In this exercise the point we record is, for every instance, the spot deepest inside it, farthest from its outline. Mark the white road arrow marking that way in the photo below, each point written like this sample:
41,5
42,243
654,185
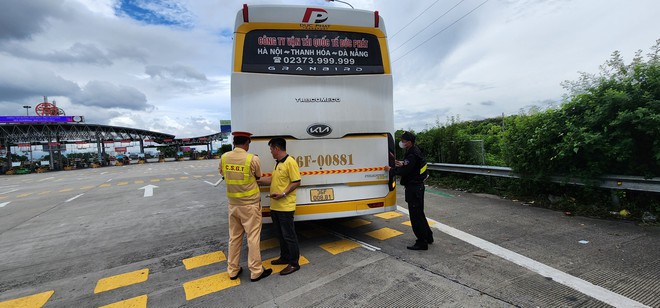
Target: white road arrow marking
149,190
3,204
216,183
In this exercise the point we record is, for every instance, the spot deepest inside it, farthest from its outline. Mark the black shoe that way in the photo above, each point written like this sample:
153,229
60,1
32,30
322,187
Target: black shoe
240,270
279,261
289,269
418,246
429,240
264,274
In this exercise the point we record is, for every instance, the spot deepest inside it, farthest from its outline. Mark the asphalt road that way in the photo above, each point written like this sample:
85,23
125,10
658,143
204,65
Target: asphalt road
156,235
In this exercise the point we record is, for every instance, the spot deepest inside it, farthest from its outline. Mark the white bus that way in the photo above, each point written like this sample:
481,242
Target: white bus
321,79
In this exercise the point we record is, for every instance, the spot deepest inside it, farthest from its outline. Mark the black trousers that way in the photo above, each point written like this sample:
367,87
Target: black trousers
415,200
286,234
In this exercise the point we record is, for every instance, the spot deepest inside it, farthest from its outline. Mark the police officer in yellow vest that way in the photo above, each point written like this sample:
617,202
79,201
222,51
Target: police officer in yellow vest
241,170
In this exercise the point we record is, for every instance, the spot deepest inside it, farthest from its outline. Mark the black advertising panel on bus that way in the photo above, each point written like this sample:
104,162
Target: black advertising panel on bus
301,52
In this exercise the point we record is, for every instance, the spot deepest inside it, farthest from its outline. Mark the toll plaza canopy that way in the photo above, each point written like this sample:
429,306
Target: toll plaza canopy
53,135
71,132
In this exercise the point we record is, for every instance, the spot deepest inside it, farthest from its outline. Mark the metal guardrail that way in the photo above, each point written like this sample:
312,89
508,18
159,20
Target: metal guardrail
608,181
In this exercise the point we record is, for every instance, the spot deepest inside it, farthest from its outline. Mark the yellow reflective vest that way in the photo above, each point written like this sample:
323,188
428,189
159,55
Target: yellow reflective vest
242,187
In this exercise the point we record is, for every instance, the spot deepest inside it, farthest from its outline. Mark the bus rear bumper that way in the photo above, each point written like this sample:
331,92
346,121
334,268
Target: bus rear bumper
340,209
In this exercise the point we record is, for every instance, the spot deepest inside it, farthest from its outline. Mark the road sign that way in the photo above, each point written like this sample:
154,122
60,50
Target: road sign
225,126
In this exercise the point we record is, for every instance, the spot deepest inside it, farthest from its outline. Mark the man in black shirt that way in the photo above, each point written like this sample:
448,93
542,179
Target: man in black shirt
412,170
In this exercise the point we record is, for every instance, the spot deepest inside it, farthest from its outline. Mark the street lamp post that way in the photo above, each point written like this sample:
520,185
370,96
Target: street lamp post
27,109
344,2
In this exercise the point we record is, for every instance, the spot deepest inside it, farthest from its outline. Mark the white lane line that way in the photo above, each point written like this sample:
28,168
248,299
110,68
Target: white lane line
108,180
52,177
73,198
4,203
570,281
10,191
212,184
364,245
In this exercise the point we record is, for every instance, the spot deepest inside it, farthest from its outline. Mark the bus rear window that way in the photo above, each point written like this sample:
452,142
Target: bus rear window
299,52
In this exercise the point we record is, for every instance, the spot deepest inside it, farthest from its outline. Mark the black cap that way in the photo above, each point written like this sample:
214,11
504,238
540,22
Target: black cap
408,136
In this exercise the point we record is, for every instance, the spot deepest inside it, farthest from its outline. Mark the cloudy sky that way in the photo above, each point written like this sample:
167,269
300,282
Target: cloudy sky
163,65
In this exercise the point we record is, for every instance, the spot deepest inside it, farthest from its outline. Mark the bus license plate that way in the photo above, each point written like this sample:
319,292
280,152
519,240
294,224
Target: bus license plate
325,194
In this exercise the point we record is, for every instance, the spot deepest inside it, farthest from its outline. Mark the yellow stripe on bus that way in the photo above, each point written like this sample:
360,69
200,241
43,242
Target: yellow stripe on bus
367,183
247,27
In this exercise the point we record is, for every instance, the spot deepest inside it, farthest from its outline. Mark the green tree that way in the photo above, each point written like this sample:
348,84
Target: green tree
608,124
618,116
168,151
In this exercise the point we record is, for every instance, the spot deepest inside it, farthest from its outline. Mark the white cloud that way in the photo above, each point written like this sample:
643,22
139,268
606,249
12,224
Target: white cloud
107,95
113,69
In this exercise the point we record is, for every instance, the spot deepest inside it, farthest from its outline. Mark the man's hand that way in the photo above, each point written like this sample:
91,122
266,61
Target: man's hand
277,196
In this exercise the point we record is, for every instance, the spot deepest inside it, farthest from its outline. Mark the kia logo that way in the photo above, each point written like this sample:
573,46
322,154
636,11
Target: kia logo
319,130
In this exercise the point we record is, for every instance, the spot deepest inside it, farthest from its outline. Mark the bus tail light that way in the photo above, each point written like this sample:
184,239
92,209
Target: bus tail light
376,19
245,13
377,204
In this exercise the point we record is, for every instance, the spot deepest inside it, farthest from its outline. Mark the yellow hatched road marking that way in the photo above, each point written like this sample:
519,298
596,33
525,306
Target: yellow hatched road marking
135,302
197,176
184,177
205,259
24,195
278,268
105,185
209,284
155,180
339,246
210,175
122,183
384,233
139,182
87,187
44,192
3,197
354,223
36,300
121,280
408,223
169,179
389,215
269,243
66,189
